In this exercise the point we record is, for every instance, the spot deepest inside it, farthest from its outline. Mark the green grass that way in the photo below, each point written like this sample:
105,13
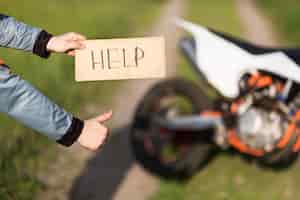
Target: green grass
230,177
285,17
22,152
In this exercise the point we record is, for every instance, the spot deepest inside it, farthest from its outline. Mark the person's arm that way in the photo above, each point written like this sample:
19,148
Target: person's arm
26,104
18,35
15,34
23,102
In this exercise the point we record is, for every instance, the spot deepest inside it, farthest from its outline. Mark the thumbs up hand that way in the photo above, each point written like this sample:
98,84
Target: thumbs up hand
94,133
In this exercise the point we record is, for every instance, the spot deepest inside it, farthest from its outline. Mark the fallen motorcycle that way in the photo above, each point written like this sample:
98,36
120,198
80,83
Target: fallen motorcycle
177,129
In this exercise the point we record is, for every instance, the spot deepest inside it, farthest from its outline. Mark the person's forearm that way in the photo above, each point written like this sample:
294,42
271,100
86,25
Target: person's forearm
15,34
23,102
26,104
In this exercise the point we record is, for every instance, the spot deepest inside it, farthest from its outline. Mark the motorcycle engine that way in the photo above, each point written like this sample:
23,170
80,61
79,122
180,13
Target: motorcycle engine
260,129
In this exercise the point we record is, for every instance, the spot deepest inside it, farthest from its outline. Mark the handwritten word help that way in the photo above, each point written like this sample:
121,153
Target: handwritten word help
122,58
115,58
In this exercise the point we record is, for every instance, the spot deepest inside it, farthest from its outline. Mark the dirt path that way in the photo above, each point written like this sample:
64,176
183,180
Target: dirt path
138,184
126,179
257,27
112,173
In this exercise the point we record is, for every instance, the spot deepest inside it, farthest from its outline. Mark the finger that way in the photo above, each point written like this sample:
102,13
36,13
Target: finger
107,134
77,36
106,139
71,45
104,117
71,53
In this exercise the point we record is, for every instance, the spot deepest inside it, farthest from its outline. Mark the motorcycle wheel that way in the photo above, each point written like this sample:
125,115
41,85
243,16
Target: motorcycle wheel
280,159
164,153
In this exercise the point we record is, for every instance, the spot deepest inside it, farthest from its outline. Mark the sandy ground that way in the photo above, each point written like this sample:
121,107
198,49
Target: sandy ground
112,173
257,28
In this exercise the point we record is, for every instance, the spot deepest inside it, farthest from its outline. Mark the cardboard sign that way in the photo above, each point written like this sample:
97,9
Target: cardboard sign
115,59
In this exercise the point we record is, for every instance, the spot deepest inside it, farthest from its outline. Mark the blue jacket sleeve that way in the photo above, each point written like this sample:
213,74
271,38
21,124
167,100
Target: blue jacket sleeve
26,104
21,100
15,34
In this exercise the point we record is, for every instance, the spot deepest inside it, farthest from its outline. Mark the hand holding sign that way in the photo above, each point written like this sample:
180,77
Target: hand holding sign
66,43
114,59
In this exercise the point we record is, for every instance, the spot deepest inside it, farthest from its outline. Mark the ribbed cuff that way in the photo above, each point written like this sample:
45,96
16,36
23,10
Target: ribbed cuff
40,45
73,133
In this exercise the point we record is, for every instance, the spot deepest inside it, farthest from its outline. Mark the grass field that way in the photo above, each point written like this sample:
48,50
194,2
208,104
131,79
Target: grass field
285,17
22,153
230,177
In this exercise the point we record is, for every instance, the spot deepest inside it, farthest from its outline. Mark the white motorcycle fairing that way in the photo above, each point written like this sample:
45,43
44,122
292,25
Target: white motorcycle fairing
223,62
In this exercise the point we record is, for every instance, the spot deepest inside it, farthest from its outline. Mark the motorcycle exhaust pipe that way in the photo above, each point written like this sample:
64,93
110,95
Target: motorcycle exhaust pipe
188,123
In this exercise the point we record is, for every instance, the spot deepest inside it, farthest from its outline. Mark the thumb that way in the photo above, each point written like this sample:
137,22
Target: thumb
104,117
